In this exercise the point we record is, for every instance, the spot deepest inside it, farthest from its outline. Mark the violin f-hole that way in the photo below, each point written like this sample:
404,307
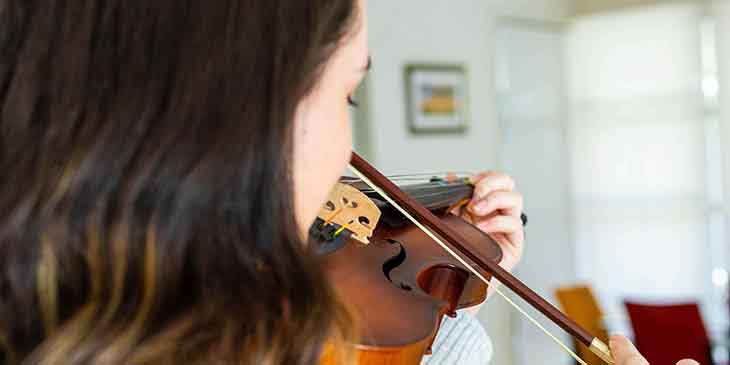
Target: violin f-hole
395,261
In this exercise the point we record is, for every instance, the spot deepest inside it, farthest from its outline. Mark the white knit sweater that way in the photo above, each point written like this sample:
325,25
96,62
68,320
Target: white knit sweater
461,340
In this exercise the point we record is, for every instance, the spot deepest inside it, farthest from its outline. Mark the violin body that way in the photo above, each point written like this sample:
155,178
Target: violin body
400,285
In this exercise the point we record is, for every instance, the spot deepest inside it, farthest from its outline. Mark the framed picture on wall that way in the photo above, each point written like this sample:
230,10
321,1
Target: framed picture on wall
436,98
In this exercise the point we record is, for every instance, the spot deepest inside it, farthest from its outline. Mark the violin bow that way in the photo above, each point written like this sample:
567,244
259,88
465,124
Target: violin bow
432,226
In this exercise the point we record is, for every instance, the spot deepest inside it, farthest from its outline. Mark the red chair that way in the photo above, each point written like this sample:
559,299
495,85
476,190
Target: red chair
665,334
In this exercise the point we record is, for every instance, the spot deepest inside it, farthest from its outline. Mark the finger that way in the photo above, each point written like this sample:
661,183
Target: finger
625,353
500,224
688,362
510,202
512,243
490,181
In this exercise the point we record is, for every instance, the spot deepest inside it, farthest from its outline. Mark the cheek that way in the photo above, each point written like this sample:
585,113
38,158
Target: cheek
336,143
322,147
327,135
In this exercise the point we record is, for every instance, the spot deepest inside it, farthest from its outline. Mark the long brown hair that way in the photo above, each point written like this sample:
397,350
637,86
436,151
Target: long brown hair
146,200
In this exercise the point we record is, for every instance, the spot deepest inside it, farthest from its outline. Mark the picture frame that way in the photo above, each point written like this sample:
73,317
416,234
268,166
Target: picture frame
436,98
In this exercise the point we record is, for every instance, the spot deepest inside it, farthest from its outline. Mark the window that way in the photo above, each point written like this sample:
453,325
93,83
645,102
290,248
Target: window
646,169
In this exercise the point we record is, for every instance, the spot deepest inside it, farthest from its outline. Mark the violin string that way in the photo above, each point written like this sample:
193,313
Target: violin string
418,196
431,185
424,185
433,174
429,195
423,192
426,176
439,189
463,262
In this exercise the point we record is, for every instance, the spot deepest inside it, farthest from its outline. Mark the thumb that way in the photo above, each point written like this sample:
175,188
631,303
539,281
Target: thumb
688,362
625,353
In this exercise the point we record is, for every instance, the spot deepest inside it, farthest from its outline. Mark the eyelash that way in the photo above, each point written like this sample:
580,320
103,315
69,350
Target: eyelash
352,102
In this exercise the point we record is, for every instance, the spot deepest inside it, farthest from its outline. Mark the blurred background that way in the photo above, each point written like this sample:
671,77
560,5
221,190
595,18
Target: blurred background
612,116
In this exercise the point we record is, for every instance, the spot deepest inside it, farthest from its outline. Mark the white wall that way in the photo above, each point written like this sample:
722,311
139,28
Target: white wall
429,31
581,7
437,31
532,116
532,9
721,12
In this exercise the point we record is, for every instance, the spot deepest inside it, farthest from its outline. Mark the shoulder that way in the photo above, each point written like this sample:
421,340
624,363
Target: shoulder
461,340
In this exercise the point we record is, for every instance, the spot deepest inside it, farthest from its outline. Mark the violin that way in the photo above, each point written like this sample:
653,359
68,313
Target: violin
402,262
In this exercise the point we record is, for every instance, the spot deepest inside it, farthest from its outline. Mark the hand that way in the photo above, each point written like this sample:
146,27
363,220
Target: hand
496,209
625,353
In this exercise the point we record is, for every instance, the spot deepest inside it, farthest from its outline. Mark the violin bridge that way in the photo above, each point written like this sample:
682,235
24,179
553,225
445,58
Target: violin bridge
348,208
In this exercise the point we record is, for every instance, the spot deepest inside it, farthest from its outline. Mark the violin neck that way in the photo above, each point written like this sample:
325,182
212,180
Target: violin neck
437,196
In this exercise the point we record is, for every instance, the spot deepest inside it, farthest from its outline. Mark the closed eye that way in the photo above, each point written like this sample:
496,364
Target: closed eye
352,102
